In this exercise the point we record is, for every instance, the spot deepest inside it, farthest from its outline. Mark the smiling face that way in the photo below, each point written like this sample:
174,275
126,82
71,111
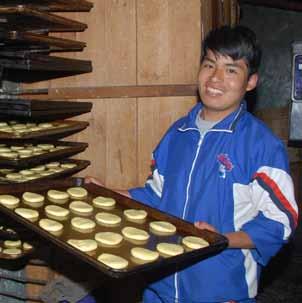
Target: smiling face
223,83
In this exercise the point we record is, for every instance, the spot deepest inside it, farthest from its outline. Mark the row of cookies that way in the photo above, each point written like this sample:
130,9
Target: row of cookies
28,150
55,217
36,172
12,247
18,128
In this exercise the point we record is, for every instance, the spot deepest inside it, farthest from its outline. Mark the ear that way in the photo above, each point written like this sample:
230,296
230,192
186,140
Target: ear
252,82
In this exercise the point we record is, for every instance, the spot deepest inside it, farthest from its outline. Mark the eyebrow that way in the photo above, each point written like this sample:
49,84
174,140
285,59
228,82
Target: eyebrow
235,65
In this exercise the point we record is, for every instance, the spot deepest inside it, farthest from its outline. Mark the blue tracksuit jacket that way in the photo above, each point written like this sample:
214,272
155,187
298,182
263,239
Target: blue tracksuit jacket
235,178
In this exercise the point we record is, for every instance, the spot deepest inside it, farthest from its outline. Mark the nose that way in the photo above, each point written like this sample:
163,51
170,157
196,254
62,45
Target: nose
217,75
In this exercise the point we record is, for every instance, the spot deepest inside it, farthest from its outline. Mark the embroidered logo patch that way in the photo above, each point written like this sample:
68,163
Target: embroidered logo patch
225,165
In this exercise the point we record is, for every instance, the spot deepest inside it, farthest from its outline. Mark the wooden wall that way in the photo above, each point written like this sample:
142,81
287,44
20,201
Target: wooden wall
145,56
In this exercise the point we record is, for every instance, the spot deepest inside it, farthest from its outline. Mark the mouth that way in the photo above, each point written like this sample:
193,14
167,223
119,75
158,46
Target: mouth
213,91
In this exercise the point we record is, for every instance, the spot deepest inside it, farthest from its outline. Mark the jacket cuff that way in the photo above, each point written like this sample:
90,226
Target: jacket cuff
267,236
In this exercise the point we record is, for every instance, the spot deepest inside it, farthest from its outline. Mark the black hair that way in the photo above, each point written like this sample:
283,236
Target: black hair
238,42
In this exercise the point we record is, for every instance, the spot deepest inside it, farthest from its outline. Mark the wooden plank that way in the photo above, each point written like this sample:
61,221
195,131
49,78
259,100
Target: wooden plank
206,17
121,150
96,135
168,41
154,118
111,45
112,139
235,12
114,92
37,272
184,41
227,10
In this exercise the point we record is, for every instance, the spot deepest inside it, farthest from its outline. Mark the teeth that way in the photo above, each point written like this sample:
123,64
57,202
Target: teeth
214,91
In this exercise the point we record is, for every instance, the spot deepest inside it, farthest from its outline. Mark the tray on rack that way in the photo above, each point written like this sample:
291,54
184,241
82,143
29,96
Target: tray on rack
33,132
161,266
18,41
53,5
47,171
27,155
41,110
12,246
24,18
38,67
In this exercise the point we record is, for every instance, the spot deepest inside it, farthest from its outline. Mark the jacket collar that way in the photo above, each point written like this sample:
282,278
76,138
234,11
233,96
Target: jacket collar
227,124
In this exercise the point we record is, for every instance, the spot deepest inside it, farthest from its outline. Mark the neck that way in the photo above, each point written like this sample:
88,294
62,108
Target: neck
210,115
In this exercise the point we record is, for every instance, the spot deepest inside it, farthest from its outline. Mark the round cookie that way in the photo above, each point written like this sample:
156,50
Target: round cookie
83,225
113,261
45,146
68,165
103,202
108,238
57,196
84,245
27,246
45,125
46,173
33,199
25,152
136,215
144,254
38,168
52,164
81,208
77,192
9,201
57,212
9,155
14,176
26,172
57,170
16,147
107,219
4,149
13,252
162,228
135,234
12,244
193,242
52,226
169,249
28,214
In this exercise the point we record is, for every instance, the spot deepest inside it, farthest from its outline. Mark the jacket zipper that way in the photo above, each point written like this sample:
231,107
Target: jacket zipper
185,208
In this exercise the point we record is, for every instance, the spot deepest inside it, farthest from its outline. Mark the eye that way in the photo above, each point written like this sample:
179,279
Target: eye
231,70
207,65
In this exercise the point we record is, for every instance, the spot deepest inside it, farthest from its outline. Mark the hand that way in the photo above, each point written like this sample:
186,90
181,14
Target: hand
204,225
90,179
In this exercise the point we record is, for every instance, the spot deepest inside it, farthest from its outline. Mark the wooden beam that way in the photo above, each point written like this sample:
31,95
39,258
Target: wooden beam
113,92
293,5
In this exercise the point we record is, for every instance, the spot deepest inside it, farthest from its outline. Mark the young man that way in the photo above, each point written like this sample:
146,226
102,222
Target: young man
222,169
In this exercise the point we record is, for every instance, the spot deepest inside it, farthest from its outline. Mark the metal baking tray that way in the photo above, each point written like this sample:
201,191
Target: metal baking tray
23,252
14,233
80,165
67,128
32,42
41,110
71,148
53,5
161,266
38,67
24,18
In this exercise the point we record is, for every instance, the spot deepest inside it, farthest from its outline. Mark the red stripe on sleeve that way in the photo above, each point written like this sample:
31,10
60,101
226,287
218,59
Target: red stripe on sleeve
272,184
